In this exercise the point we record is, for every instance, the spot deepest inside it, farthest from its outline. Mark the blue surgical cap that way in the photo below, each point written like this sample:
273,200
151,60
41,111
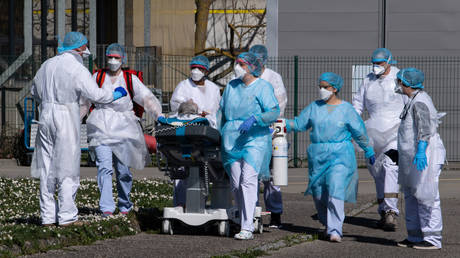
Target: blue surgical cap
72,40
382,55
260,51
116,50
200,61
411,77
254,65
333,79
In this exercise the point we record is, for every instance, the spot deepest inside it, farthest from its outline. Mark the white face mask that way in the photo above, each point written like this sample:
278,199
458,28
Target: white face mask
86,53
378,69
196,74
239,71
114,64
398,89
325,94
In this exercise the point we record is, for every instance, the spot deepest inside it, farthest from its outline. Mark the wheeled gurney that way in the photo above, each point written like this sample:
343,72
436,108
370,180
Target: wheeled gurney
191,150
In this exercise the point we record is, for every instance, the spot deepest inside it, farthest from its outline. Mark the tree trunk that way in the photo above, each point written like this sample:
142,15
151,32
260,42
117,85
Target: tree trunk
201,23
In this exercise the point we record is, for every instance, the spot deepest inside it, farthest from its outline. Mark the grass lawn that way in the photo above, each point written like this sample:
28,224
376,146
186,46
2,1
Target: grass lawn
21,232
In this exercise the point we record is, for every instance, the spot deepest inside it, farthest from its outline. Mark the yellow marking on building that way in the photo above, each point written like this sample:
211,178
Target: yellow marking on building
212,11
222,11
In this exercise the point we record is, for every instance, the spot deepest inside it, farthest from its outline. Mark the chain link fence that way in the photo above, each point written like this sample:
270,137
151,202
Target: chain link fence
300,75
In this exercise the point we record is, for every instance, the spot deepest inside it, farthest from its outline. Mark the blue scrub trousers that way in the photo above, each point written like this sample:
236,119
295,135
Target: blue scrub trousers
104,159
330,213
272,197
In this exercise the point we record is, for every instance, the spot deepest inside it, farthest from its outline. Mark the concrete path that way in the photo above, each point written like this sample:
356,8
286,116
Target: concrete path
361,238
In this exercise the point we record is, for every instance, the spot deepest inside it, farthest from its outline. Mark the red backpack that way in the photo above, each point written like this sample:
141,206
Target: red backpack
128,75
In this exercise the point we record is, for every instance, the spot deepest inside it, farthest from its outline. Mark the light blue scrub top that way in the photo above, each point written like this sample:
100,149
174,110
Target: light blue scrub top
331,156
238,103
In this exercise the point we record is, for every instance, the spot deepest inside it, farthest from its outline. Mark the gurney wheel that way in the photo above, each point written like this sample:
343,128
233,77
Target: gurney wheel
258,225
167,227
224,228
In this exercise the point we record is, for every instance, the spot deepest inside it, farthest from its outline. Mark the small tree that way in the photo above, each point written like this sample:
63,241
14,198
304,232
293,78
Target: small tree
241,24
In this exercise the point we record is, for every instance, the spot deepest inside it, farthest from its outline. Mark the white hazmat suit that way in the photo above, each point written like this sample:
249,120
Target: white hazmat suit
276,81
115,124
420,120
207,97
377,96
58,86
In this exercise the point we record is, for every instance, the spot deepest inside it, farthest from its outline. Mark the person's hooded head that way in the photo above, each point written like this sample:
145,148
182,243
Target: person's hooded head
329,84
116,56
382,60
247,63
199,68
260,51
75,41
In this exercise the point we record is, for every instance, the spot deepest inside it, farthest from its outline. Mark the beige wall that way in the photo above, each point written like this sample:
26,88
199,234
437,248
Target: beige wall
172,25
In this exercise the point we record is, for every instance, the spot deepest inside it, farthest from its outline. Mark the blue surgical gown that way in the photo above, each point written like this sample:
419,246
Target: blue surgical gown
331,157
238,103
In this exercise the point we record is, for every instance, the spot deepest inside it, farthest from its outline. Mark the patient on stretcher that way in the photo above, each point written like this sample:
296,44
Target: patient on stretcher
187,112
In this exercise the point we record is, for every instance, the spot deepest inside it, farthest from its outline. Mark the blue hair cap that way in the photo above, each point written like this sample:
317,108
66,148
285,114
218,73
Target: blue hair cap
411,77
72,40
382,55
333,79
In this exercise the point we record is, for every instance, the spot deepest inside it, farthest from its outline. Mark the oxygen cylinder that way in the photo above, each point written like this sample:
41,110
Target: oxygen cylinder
280,154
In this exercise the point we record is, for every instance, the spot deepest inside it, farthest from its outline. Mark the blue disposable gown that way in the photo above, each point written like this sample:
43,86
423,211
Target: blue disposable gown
331,157
238,103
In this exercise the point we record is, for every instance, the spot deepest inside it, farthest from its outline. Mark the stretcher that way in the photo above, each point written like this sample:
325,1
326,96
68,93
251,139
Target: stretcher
190,150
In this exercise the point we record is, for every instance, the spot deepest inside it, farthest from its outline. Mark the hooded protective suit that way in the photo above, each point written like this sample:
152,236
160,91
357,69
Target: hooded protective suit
207,97
115,124
421,193
420,122
58,86
377,96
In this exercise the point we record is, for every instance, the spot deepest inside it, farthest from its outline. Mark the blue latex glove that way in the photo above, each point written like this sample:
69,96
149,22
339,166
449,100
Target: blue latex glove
119,93
162,119
420,157
372,159
247,124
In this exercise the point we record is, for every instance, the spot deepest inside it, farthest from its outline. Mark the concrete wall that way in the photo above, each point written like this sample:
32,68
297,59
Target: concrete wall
327,27
172,25
424,27
355,27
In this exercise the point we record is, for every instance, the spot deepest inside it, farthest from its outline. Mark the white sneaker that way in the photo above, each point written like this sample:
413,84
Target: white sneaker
335,238
244,235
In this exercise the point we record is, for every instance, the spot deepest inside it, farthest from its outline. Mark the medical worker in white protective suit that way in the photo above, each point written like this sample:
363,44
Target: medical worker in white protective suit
377,96
206,95
421,157
332,169
115,134
198,89
247,109
58,86
272,193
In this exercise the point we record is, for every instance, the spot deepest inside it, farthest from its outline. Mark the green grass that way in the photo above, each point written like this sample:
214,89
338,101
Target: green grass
21,232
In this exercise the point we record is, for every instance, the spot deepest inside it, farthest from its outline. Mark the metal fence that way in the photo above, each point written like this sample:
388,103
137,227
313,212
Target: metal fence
299,74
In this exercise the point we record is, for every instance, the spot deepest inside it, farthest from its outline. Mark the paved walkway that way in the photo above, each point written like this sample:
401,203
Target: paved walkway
361,238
